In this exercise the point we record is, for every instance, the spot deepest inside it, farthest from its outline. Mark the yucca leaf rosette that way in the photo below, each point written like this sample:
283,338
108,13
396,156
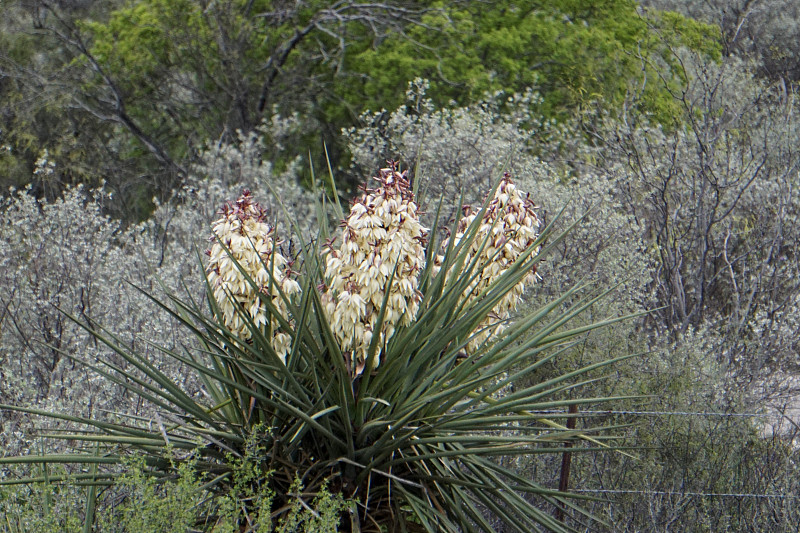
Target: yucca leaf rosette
382,250
376,402
244,246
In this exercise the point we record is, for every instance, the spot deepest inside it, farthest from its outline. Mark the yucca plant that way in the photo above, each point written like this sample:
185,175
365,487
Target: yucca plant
379,368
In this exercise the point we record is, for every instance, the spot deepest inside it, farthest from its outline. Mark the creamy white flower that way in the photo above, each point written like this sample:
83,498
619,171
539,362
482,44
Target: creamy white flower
244,232
381,235
511,219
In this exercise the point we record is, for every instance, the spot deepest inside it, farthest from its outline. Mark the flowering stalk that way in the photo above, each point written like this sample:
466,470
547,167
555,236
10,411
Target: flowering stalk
242,234
512,226
382,249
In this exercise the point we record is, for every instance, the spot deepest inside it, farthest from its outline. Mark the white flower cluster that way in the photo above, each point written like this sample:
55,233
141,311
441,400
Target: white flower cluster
382,233
512,226
44,166
243,231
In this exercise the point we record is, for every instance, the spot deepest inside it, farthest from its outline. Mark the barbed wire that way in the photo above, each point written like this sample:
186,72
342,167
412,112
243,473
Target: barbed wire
661,413
702,494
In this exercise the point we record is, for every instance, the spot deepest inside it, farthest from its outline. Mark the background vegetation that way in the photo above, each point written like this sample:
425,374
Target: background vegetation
125,125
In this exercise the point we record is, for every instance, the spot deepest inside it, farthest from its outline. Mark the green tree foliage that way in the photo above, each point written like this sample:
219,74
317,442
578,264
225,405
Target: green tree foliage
181,67
36,112
139,84
124,91
574,52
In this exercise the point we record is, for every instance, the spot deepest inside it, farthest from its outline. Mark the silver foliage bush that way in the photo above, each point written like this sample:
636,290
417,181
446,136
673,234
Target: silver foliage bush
765,30
69,257
223,172
719,204
699,224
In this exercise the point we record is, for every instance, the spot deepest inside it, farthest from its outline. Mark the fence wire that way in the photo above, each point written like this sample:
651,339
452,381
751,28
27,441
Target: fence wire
661,413
701,494
776,415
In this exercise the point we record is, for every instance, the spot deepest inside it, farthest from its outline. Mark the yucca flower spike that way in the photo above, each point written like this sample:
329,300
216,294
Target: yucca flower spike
382,235
243,234
512,225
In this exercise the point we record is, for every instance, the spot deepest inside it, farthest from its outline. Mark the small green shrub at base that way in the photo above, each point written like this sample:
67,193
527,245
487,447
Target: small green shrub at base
141,502
41,507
